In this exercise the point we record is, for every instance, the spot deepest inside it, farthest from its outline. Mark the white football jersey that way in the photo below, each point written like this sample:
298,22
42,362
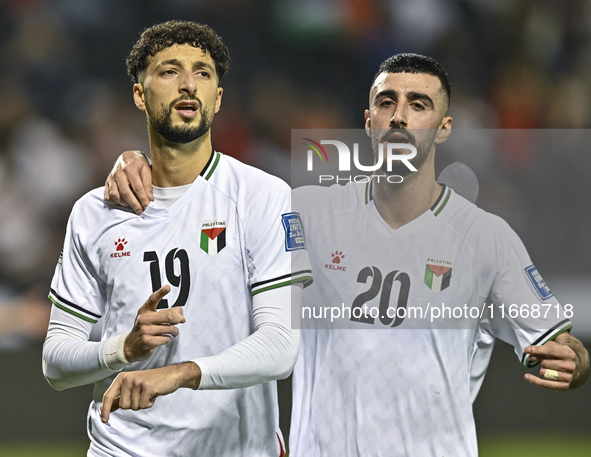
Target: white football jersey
230,236
394,378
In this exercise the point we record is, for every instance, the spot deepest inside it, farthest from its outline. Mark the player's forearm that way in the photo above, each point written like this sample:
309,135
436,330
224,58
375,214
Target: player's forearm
189,375
581,372
70,363
69,359
267,355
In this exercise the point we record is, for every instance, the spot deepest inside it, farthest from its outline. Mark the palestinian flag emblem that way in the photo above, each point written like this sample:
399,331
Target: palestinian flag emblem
438,274
213,237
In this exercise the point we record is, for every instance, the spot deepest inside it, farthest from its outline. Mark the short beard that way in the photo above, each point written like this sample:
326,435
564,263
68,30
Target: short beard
161,120
399,168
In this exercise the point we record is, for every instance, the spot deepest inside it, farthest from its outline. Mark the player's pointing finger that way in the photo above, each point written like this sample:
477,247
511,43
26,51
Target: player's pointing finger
111,394
539,352
550,350
152,302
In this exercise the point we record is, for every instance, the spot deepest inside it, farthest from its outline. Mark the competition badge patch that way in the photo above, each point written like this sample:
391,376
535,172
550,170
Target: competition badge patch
294,232
539,284
438,274
213,237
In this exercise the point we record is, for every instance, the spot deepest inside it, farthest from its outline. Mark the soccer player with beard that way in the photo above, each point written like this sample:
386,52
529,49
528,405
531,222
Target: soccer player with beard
223,235
388,384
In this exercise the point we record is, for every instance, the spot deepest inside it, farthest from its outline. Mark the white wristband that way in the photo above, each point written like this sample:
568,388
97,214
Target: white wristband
114,353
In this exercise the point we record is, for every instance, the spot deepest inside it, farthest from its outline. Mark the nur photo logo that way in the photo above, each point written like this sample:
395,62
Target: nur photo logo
315,151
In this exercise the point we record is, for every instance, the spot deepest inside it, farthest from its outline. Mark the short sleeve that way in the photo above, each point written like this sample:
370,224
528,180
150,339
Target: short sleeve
526,312
275,241
75,288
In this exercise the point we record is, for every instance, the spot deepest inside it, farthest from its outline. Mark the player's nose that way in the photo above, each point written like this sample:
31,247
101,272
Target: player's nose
187,83
398,119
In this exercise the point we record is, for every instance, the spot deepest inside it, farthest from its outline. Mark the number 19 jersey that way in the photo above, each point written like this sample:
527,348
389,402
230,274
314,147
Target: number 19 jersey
226,239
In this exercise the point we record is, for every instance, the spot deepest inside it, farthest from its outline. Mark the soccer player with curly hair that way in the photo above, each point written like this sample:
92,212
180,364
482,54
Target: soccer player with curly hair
192,370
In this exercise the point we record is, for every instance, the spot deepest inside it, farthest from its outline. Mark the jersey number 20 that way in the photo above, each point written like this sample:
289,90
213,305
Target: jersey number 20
372,292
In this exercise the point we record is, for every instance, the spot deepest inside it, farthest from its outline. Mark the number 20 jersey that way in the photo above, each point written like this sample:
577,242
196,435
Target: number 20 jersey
388,383
230,236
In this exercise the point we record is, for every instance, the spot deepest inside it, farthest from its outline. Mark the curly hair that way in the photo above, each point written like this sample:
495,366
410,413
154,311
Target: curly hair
162,36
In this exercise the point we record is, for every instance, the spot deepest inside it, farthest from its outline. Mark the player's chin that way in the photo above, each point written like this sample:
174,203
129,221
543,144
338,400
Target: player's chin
187,118
400,172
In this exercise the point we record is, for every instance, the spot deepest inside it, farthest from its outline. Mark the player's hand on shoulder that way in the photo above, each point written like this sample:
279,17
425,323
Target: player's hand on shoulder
564,363
152,328
130,182
139,389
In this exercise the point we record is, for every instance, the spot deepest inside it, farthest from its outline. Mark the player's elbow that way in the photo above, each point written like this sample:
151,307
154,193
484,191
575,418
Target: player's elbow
289,355
56,384
53,378
51,372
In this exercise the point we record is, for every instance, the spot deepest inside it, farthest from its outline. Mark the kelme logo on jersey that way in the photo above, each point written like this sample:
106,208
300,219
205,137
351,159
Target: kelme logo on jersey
213,237
335,263
539,284
120,246
294,232
438,274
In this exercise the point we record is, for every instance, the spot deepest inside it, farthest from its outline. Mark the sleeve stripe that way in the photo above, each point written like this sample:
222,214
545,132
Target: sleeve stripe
548,336
278,278
304,276
69,311
550,331
72,308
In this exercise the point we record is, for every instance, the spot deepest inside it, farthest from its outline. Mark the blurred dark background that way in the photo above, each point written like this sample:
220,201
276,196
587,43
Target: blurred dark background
66,113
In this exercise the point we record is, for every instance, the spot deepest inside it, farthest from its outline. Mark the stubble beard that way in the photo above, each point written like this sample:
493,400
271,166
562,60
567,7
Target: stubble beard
161,120
398,167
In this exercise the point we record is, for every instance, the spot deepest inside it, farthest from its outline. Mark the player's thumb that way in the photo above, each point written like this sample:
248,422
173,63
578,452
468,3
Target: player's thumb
152,302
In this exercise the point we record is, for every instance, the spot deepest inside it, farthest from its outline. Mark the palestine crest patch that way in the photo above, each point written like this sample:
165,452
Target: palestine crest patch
438,274
213,237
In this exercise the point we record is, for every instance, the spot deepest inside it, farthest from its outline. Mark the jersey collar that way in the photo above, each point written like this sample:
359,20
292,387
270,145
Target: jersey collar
441,200
437,206
211,165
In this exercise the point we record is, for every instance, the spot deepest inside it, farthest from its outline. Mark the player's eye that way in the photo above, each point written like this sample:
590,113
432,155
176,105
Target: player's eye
203,74
418,106
386,103
168,72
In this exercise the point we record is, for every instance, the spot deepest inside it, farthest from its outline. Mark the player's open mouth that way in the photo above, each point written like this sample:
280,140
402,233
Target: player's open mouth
187,108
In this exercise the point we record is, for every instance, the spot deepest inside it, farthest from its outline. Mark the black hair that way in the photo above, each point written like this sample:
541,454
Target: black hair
162,36
415,63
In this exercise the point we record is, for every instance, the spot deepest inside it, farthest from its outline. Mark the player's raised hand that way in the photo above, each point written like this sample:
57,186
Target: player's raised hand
152,328
558,365
138,389
130,182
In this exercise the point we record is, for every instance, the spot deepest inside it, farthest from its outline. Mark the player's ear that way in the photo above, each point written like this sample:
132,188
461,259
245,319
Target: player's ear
444,130
218,99
367,123
139,97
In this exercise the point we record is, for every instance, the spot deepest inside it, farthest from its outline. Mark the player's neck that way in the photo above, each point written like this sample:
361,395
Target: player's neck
178,164
399,204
